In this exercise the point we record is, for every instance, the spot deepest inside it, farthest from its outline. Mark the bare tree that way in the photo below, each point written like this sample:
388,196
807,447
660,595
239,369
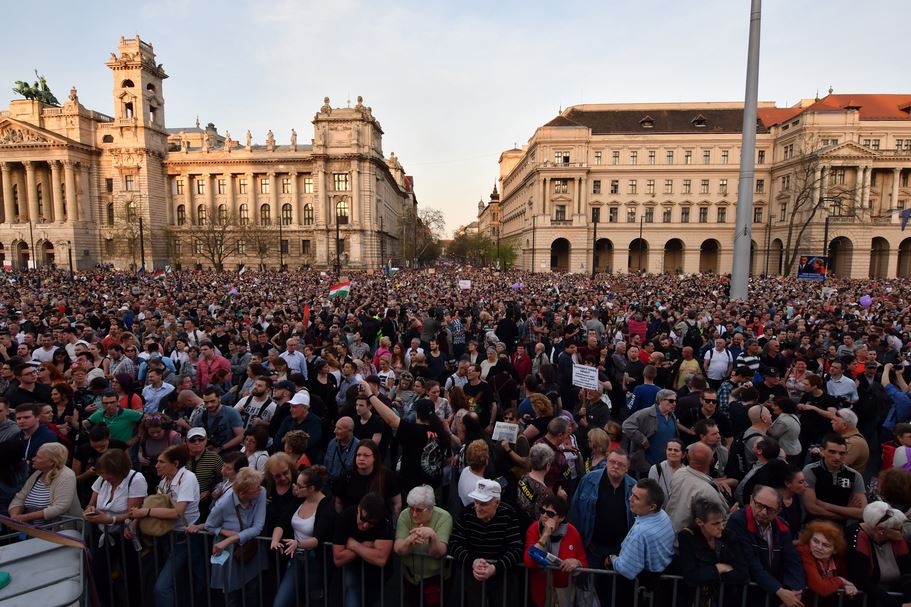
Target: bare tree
809,192
218,236
259,240
128,231
422,233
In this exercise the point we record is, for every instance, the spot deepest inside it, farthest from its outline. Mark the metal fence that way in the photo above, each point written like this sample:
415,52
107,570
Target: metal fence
176,570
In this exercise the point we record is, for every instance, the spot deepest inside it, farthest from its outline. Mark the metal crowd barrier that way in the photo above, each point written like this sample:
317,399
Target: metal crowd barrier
124,575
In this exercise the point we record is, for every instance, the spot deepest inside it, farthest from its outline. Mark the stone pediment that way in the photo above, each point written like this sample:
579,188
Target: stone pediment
848,149
16,133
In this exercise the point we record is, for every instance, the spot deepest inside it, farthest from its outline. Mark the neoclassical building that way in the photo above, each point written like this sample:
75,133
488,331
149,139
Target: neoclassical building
653,187
80,187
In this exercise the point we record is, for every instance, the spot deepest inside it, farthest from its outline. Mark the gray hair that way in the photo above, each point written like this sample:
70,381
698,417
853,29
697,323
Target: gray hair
558,425
663,394
540,456
421,497
847,416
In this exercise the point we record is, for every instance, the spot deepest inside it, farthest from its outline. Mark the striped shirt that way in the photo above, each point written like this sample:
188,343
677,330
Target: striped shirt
498,540
648,546
38,498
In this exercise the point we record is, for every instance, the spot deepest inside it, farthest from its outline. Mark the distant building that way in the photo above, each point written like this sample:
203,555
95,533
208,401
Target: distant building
78,182
669,172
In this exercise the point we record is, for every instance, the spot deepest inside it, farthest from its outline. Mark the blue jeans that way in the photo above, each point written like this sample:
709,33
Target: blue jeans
173,575
352,575
301,579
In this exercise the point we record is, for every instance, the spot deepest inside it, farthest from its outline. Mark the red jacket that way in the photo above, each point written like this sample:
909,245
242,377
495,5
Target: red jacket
522,367
570,548
821,586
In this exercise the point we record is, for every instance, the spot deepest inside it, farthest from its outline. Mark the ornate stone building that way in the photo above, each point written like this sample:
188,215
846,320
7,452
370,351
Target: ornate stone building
80,187
653,187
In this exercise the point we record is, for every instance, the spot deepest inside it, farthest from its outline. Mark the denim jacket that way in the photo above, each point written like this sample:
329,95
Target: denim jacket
585,502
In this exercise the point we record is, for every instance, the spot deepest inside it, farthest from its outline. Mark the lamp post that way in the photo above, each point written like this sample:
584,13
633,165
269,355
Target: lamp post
533,218
835,204
142,246
339,219
497,228
69,254
596,215
33,257
641,242
281,242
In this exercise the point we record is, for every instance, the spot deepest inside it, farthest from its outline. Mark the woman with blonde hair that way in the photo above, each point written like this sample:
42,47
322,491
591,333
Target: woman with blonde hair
50,492
384,349
544,412
599,443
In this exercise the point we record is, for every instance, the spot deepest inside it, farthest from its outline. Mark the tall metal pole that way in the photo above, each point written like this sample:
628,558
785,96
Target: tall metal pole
825,237
338,257
641,242
31,234
142,246
281,242
533,217
740,272
69,254
596,215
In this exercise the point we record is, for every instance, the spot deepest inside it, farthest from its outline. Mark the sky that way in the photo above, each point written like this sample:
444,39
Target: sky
453,84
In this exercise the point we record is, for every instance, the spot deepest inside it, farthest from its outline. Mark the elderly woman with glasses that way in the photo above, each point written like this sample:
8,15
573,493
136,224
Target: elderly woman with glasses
552,534
421,540
878,559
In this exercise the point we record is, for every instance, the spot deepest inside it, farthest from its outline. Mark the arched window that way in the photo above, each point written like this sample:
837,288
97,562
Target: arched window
222,215
150,87
107,139
265,215
244,215
110,213
181,214
286,214
341,212
202,214
308,215
132,215
126,84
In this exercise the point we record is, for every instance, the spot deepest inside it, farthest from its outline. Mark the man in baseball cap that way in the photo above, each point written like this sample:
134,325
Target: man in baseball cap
301,419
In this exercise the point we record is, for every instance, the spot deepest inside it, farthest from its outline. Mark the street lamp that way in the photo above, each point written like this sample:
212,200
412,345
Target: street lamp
596,215
339,219
835,204
641,242
69,254
281,240
533,218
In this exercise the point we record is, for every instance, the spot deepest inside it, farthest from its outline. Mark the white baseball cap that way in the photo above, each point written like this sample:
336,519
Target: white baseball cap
300,398
486,490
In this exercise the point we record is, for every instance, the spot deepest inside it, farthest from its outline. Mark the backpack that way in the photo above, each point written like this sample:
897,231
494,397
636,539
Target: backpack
432,459
737,466
693,337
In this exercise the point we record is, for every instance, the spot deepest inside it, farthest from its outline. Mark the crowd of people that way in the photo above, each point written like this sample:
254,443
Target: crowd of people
441,423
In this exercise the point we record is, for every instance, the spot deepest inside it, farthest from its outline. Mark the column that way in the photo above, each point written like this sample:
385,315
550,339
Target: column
69,186
355,194
251,199
868,177
581,186
273,198
323,198
896,179
188,198
543,209
691,259
9,209
892,263
55,192
32,190
296,205
858,187
210,197
817,184
87,198
229,190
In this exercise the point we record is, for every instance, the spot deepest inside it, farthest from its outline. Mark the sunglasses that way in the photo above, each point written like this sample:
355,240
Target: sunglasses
549,513
196,439
710,400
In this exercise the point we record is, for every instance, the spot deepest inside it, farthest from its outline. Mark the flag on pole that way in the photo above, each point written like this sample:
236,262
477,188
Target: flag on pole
159,275
241,271
906,214
341,289
306,315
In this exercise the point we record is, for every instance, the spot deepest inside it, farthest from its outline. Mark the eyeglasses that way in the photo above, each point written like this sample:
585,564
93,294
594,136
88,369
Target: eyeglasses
196,439
757,505
670,400
549,513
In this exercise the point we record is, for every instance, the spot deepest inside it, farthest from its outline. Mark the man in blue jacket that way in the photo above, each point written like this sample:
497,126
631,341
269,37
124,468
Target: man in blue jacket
769,548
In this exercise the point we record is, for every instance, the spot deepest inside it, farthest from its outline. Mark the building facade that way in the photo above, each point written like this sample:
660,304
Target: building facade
653,187
80,187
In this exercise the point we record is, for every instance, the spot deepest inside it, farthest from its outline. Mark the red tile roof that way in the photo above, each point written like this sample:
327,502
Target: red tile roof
872,107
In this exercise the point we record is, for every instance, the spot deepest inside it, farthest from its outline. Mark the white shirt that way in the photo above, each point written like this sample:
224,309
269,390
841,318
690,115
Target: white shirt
468,482
184,487
716,363
43,356
134,485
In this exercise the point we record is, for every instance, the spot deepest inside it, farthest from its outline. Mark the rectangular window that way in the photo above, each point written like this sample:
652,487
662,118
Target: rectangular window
634,157
784,211
668,186
649,215
875,144
706,156
305,247
614,186
200,186
898,144
242,185
615,156
286,185
757,215
285,246
561,158
560,212
241,247
688,157
108,185
684,215
703,215
341,183
722,215
178,183
761,159
631,216
704,186
839,176
596,215
724,156
597,158
632,186
785,183
222,184
197,247
649,186
561,186
596,186
666,216
670,157
687,186
789,151
264,185
903,180
723,186
651,156
866,143
612,214
128,183
760,186
308,185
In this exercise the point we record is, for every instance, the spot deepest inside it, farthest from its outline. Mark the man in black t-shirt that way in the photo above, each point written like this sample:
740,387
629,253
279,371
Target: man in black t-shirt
87,454
480,397
362,542
835,491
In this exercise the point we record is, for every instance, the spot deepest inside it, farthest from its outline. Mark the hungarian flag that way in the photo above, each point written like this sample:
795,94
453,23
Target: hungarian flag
341,289
159,275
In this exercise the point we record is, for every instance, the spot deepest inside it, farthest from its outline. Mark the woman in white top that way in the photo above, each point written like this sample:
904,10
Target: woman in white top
312,524
386,375
663,472
182,487
50,492
115,492
256,441
489,363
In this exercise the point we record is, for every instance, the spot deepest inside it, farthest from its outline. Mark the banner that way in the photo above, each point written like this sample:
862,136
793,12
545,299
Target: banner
585,377
464,284
812,267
